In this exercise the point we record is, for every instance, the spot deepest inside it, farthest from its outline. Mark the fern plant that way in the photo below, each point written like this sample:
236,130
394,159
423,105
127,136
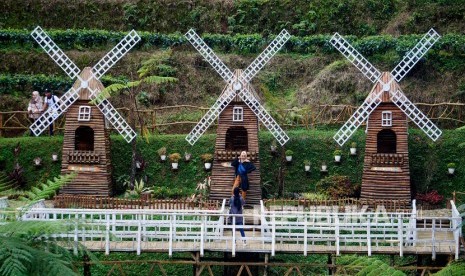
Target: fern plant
23,251
355,265
6,184
48,189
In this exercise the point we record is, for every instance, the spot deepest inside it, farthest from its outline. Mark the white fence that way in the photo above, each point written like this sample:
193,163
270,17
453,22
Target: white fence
297,232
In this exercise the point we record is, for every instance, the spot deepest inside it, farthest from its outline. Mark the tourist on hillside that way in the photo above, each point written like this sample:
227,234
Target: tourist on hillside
236,202
51,102
34,108
242,166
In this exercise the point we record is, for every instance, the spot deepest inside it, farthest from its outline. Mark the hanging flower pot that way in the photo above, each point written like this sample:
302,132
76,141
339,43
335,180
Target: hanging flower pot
307,165
337,156
163,157
174,158
162,153
207,159
451,168
187,156
208,166
353,148
37,162
289,154
324,167
54,157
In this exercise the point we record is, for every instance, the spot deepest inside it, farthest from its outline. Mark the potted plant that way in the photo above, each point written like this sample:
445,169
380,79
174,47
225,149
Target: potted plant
37,162
451,167
207,159
324,167
174,158
273,147
162,153
54,157
337,155
307,165
289,154
187,156
353,148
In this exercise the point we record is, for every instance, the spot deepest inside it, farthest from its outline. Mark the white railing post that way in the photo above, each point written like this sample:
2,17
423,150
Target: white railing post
305,235
76,234
233,252
202,231
456,222
273,235
107,235
113,218
139,234
336,233
433,239
400,232
369,236
170,243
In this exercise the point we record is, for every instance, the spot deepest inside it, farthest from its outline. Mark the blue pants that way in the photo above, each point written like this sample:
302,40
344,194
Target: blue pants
241,229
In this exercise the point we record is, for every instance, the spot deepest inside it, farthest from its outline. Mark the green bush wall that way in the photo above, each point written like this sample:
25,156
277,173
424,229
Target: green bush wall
428,160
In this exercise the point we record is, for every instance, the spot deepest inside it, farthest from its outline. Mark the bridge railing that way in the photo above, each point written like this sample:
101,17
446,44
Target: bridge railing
277,231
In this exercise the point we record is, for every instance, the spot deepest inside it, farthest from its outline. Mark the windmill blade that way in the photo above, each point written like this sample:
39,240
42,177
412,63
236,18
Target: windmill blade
355,57
415,114
264,116
208,54
265,56
124,46
359,116
112,115
50,115
55,52
211,115
414,55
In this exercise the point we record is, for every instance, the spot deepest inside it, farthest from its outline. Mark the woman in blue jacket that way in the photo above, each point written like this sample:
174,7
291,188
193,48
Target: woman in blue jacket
243,166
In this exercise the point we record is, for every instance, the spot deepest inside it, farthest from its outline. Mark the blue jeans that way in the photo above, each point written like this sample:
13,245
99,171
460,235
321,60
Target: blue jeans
241,229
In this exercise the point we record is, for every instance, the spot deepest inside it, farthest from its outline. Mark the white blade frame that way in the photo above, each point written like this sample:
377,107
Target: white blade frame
415,115
50,115
57,55
211,115
260,61
115,54
264,116
355,58
360,115
414,55
208,54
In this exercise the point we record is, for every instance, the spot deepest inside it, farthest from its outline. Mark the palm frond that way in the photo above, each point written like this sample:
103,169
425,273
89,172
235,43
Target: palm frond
49,189
158,80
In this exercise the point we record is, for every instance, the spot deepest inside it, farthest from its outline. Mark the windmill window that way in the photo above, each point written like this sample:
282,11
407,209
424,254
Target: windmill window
84,113
84,138
238,114
386,118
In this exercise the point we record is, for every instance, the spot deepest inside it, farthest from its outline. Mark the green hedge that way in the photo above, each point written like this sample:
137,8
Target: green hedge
427,160
239,43
243,16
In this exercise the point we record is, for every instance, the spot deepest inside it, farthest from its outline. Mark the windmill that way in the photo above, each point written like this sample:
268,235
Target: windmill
86,147
237,110
385,110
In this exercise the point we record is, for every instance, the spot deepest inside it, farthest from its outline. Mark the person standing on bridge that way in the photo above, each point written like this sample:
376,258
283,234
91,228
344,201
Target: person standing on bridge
236,203
242,166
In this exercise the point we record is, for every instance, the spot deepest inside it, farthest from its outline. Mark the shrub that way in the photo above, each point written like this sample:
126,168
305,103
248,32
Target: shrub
289,152
337,186
432,197
161,151
174,157
337,152
451,165
207,157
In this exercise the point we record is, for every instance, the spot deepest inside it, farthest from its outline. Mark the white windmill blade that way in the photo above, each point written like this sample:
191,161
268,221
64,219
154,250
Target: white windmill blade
265,56
359,116
124,46
264,116
415,114
355,57
414,55
113,116
211,115
208,54
50,115
55,52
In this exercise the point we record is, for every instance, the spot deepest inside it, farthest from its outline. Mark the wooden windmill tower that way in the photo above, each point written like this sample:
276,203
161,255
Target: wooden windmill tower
386,172
86,144
237,110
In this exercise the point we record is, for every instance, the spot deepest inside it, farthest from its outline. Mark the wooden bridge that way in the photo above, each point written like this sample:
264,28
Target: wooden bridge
321,230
